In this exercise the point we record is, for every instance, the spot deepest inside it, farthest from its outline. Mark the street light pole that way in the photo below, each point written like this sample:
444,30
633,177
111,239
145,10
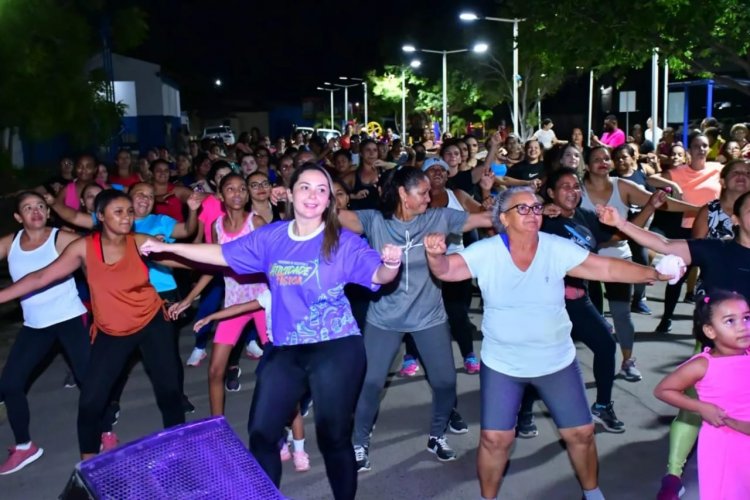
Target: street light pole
470,16
330,91
346,96
478,48
364,84
403,105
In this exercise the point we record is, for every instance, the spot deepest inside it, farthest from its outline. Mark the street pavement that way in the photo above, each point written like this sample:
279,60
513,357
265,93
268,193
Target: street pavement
631,464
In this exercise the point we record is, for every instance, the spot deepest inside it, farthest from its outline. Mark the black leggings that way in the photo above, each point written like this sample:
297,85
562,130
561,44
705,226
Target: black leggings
333,371
109,355
30,348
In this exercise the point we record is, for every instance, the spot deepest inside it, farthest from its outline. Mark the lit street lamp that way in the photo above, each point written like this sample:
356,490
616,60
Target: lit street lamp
331,91
346,96
478,48
469,17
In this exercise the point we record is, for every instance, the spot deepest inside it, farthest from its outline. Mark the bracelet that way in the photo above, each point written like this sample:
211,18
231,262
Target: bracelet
392,266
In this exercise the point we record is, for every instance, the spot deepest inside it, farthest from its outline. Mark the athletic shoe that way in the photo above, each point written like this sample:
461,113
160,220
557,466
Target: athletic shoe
301,461
253,350
409,367
456,424
285,455
605,415
664,326
70,381
640,307
362,456
18,459
196,357
232,381
629,372
671,488
109,441
689,298
471,365
439,446
526,427
187,406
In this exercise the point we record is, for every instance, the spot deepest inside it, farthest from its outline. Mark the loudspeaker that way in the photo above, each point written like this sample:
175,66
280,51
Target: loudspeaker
199,460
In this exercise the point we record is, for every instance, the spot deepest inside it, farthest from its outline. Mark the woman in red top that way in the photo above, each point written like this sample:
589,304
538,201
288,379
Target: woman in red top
169,198
123,173
128,315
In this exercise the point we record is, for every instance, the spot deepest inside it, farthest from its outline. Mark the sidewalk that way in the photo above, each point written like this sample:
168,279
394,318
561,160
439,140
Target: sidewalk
631,464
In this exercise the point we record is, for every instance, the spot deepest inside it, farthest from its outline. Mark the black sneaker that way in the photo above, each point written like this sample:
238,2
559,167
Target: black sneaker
664,326
187,406
439,446
526,427
605,415
362,456
232,381
456,423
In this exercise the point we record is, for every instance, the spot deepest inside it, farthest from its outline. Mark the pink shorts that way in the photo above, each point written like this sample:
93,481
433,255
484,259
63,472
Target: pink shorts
229,330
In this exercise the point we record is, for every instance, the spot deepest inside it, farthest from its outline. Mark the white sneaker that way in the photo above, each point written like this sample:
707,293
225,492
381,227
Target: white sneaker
253,350
196,357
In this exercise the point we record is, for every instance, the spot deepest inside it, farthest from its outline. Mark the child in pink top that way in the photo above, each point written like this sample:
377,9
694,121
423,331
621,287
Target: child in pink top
720,375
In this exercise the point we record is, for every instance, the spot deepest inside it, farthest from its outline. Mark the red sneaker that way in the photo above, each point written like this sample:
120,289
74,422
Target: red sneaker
18,459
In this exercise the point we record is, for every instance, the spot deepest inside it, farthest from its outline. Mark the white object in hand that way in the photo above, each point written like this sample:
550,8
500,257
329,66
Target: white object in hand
672,265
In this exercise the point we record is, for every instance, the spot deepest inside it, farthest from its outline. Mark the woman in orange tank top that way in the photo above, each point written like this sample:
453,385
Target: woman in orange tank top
128,315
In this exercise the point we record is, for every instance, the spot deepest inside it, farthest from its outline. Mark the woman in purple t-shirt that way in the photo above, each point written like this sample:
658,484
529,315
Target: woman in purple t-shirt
316,342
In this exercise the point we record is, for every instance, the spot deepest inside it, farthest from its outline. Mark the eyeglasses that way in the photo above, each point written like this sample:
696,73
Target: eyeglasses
524,209
256,185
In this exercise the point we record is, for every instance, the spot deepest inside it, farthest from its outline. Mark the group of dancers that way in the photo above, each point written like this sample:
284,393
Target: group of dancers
332,292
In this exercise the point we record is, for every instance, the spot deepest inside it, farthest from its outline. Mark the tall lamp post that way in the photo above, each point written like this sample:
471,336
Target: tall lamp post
414,64
470,16
330,91
478,48
364,86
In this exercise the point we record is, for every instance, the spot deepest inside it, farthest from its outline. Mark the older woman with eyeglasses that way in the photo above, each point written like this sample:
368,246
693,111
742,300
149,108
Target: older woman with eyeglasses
527,330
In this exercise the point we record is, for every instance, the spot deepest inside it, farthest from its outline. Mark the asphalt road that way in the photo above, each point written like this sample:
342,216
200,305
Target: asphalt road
631,464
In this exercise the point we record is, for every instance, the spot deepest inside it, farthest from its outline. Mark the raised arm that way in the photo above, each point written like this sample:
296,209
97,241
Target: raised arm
636,195
68,214
388,269
597,268
610,216
187,229
445,267
62,267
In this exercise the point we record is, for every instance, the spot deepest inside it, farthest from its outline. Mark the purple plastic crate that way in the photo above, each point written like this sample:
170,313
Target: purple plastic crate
200,460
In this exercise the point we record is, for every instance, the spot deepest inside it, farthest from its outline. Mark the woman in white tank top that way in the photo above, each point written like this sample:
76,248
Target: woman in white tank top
599,188
53,314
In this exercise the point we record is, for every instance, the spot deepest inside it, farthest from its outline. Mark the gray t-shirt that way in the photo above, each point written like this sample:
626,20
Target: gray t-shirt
413,301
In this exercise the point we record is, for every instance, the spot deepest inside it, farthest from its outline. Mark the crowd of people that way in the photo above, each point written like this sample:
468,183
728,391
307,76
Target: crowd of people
321,258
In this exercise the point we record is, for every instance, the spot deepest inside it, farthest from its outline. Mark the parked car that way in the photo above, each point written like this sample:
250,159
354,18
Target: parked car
222,132
326,133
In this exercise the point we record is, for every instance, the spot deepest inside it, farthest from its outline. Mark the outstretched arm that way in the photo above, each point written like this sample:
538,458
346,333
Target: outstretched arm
597,268
610,216
445,267
62,267
69,215
203,253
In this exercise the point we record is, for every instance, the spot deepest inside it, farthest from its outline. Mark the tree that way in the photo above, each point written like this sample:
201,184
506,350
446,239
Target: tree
386,91
706,39
44,47
463,92
484,115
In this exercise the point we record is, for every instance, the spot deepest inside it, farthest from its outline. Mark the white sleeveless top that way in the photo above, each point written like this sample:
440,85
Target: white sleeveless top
455,241
621,249
56,303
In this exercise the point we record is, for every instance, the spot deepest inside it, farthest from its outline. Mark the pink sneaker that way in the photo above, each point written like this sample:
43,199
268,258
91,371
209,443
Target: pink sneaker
471,365
18,459
301,461
285,455
409,367
109,441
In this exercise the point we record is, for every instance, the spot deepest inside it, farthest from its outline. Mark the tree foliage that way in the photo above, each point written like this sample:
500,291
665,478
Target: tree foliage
706,39
44,47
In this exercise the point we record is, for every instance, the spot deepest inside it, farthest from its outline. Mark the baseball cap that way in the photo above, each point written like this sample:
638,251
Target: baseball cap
431,162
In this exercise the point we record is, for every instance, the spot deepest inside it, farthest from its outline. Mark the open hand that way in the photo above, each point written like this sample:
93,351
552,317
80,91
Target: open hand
195,200
434,244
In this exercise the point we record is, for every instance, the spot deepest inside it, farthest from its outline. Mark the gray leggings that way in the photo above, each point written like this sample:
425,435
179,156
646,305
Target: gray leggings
436,353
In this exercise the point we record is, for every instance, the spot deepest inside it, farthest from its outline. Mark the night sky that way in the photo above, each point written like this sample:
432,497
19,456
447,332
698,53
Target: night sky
280,50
